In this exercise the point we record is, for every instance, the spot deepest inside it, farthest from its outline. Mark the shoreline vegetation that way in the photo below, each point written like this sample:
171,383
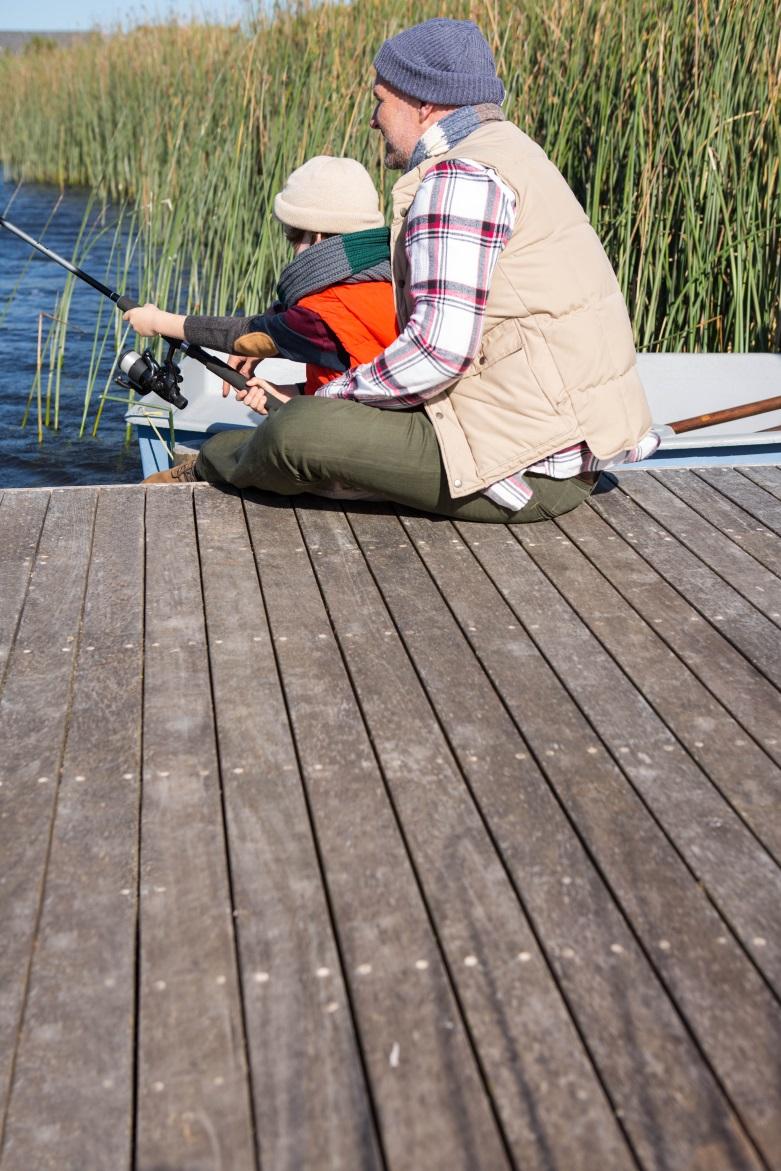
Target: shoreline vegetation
663,115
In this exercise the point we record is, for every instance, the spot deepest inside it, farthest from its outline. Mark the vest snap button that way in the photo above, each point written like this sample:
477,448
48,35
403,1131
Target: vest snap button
437,414
456,483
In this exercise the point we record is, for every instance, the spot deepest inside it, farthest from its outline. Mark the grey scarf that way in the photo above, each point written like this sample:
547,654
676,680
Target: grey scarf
339,260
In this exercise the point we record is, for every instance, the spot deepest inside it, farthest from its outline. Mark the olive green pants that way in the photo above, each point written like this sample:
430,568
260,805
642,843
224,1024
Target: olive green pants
311,444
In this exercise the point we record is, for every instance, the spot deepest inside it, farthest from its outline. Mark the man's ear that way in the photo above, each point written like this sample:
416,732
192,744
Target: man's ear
425,110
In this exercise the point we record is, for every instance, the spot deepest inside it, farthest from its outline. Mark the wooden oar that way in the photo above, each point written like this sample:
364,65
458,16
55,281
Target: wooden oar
728,415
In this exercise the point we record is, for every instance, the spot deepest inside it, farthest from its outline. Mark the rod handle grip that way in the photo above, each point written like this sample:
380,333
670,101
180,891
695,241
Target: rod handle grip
124,303
228,374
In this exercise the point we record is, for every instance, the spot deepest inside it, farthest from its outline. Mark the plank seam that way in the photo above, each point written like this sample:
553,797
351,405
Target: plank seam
747,471
136,1067
722,913
666,641
710,568
744,508
689,669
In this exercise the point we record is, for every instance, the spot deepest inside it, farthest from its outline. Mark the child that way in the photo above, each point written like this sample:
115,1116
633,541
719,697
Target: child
335,305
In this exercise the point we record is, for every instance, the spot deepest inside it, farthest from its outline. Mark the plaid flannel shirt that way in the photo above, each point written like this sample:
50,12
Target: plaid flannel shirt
460,220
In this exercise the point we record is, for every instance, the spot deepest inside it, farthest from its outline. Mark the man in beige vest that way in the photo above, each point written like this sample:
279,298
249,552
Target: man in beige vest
513,380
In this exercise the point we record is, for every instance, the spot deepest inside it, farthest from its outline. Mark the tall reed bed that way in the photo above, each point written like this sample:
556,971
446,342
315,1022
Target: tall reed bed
664,116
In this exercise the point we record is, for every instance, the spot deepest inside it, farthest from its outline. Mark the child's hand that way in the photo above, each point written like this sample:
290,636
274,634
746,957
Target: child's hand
144,319
256,394
245,366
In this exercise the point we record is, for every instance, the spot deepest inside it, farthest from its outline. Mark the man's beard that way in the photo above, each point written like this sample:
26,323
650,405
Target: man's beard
395,158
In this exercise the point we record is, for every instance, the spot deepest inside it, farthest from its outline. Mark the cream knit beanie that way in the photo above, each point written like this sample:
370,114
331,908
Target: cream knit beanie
330,195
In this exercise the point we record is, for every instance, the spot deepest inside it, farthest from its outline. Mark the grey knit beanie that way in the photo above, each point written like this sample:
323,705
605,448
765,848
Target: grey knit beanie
332,195
444,61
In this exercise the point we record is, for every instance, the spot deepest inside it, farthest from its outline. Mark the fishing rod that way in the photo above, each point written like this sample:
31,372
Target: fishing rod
146,375
142,372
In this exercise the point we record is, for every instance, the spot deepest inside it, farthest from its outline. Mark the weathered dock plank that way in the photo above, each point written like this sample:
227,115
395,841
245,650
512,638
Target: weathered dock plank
72,1099
755,636
194,1106
33,713
768,478
699,722
648,881
692,947
314,1107
22,521
713,841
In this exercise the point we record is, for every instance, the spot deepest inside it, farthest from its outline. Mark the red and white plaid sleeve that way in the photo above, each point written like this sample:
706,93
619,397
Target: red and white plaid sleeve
459,221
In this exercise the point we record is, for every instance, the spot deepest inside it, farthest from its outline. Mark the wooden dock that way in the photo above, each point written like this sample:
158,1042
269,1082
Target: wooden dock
345,839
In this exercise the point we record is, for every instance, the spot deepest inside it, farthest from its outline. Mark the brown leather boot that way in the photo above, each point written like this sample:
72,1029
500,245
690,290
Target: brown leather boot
183,473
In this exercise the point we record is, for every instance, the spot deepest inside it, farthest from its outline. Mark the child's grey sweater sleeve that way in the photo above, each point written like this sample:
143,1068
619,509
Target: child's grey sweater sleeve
218,333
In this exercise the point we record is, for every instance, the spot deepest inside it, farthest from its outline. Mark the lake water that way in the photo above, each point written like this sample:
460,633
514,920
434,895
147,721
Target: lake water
62,458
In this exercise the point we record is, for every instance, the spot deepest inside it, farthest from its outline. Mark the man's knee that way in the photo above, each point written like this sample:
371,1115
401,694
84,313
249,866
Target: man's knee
287,433
295,438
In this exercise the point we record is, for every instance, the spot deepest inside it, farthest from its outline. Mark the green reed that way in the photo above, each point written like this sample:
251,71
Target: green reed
663,115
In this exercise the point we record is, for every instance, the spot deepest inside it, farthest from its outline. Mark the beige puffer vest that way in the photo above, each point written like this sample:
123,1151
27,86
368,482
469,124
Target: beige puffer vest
557,360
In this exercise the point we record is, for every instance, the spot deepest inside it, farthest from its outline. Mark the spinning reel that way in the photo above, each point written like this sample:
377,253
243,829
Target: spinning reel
144,374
